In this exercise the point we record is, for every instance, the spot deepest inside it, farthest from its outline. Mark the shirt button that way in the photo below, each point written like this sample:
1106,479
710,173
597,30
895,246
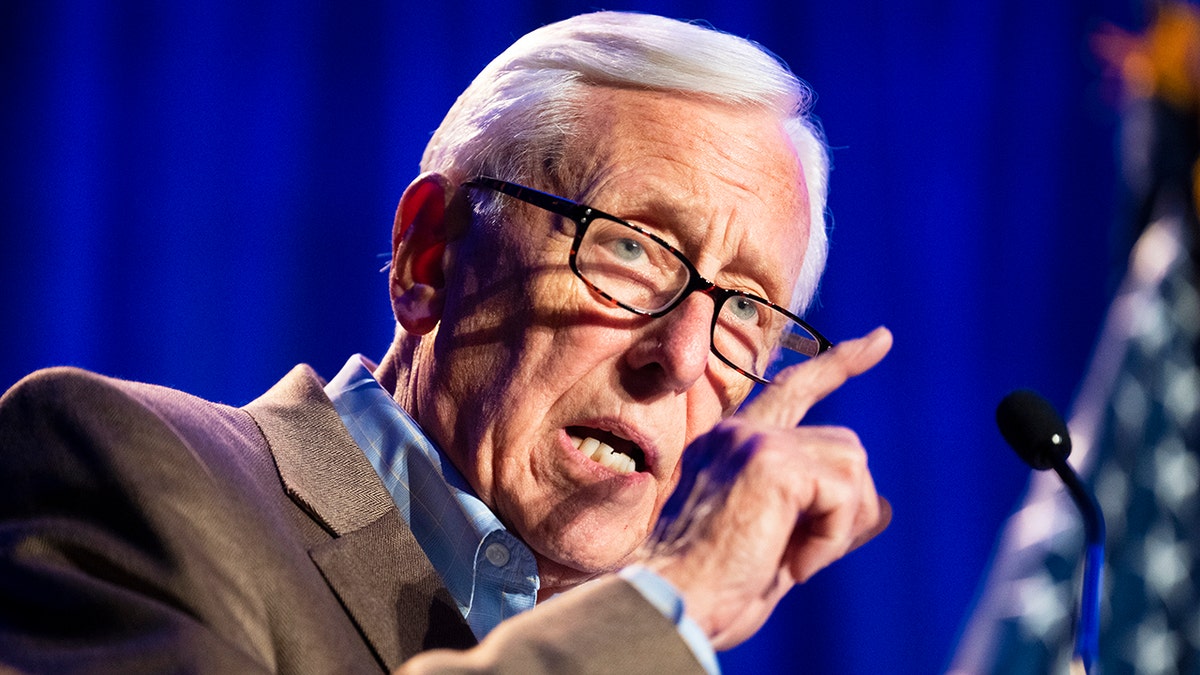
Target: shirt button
497,554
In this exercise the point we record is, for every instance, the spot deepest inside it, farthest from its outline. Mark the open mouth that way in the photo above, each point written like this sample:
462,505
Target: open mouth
608,449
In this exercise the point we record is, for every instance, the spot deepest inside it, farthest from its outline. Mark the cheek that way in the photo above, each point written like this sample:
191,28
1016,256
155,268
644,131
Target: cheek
727,390
504,301
562,300
579,326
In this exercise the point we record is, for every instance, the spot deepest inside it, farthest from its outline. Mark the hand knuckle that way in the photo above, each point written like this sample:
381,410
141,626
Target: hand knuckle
847,437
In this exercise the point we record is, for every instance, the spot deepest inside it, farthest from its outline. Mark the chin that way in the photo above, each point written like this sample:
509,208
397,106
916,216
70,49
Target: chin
577,559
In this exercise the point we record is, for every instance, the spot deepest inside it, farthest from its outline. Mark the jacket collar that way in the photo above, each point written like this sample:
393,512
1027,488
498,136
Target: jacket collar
372,562
322,468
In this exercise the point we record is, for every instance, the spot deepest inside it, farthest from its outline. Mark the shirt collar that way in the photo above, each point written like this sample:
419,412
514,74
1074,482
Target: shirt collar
491,574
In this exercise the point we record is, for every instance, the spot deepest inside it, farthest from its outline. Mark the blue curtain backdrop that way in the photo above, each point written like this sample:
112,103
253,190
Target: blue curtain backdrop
196,194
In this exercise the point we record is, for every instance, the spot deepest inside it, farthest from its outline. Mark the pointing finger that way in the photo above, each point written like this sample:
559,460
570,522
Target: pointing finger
789,397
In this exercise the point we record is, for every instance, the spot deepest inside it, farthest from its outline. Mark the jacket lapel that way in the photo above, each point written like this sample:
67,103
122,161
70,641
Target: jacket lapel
372,562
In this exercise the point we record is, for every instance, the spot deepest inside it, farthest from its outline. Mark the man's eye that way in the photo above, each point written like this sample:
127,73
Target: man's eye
627,249
742,309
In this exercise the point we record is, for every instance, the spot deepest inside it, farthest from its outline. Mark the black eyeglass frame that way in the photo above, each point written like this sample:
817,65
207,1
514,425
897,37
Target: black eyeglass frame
583,215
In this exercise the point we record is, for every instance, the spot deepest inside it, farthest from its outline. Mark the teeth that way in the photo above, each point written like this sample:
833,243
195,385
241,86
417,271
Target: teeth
604,454
607,456
589,446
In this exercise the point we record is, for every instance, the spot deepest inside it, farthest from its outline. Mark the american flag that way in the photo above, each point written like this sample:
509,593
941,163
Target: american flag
1136,433
1136,422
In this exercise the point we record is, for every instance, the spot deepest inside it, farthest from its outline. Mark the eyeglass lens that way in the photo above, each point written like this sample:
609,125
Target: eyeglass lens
638,271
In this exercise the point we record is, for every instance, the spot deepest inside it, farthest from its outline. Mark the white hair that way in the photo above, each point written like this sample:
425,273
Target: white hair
515,118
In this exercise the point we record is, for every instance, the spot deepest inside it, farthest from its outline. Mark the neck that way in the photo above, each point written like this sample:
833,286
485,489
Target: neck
398,371
556,578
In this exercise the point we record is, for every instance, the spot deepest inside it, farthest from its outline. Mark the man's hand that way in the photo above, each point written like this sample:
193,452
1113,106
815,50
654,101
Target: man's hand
764,504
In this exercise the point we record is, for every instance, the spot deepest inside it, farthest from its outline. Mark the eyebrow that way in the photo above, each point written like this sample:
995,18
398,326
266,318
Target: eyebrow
750,270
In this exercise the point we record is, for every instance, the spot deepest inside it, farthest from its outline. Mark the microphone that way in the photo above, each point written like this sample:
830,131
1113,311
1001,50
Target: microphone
1031,425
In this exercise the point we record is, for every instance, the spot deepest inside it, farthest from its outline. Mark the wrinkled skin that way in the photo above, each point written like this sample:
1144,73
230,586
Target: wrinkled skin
504,349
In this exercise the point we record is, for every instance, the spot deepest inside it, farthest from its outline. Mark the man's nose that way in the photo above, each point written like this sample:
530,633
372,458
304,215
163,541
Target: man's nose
677,344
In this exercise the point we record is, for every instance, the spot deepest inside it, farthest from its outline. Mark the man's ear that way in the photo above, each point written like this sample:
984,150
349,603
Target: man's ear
417,281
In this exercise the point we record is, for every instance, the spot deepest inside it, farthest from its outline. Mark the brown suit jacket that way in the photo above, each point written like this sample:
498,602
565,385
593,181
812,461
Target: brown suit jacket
146,530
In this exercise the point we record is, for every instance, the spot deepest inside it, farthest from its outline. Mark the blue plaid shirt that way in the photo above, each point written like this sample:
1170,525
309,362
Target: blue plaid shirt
491,574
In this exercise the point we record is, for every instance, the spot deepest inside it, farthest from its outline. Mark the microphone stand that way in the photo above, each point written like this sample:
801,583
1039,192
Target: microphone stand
1034,429
1087,638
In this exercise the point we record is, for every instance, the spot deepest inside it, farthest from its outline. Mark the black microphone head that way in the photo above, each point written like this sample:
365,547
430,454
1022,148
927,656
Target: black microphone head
1033,428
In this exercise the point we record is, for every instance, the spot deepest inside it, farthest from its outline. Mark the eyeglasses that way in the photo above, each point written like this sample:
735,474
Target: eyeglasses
639,271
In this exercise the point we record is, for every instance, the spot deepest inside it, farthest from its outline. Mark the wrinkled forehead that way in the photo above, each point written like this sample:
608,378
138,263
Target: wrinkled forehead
723,181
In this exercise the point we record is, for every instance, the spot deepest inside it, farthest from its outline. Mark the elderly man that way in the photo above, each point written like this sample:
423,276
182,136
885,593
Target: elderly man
601,257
